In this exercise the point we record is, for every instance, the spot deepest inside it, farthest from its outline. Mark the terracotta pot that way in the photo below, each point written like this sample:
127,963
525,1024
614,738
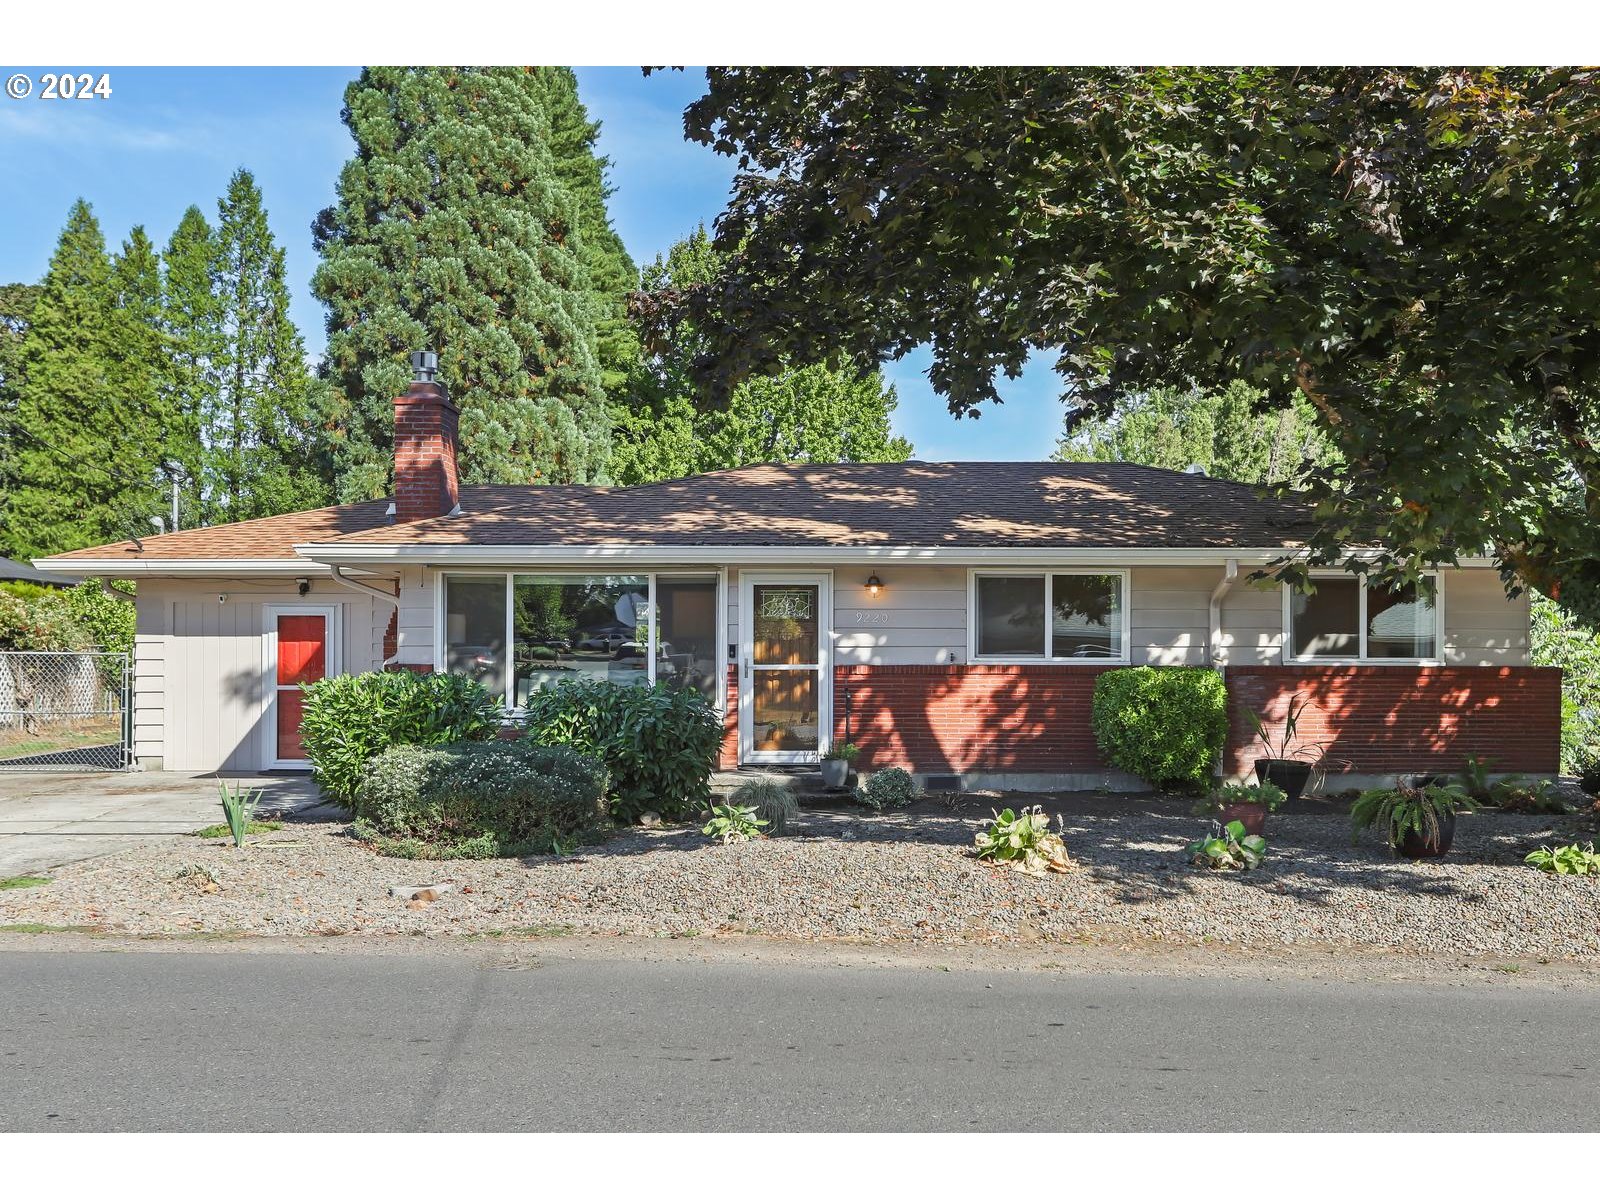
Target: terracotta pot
1290,774
1252,816
1416,845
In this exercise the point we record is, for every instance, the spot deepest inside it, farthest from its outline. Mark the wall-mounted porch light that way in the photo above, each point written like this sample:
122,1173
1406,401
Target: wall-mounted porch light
874,585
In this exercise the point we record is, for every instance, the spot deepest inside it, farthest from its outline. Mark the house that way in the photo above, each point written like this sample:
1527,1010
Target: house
950,617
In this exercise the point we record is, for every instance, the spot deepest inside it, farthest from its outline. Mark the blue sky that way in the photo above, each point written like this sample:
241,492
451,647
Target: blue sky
171,137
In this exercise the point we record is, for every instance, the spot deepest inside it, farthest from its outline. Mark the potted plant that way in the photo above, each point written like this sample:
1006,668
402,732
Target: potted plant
836,765
1419,822
1245,803
1286,765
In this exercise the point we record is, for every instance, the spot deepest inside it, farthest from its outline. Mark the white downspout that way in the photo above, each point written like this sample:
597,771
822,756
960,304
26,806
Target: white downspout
1224,585
356,585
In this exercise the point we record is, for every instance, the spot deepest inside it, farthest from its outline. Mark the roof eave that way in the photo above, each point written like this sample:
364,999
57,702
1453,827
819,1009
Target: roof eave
130,568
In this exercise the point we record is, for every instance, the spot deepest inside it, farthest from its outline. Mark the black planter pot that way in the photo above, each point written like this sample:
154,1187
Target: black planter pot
1417,845
1290,774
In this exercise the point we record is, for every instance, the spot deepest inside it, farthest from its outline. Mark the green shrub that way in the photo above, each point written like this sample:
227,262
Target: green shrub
479,799
891,787
659,743
1167,725
734,823
351,719
1268,795
773,803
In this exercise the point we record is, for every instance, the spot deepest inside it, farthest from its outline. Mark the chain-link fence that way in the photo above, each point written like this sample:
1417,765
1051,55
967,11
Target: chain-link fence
64,711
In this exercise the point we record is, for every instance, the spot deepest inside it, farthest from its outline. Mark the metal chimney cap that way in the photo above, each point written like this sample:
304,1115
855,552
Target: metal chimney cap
425,365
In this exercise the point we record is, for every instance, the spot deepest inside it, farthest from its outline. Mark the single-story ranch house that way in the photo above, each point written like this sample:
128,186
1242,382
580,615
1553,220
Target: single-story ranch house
948,617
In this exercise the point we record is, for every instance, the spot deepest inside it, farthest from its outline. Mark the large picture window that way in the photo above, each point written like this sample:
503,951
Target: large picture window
519,633
1072,615
1349,619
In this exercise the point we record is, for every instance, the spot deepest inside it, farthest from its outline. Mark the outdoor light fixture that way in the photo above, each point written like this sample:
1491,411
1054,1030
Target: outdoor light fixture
302,585
874,585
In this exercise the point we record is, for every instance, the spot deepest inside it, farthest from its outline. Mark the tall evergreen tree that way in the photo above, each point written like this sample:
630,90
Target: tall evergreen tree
192,324
16,311
140,357
260,435
452,230
808,414
77,478
612,274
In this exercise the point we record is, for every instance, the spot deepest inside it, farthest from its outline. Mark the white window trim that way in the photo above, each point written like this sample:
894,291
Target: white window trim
1361,658
826,633
1044,573
680,572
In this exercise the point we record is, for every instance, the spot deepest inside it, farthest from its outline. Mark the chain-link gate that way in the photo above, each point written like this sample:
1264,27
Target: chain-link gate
65,711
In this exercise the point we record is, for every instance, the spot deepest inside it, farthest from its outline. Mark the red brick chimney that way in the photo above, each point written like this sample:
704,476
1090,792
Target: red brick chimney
425,429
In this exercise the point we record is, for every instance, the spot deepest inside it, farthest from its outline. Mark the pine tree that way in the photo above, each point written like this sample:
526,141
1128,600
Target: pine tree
260,434
140,358
192,323
612,274
810,414
16,311
75,481
452,231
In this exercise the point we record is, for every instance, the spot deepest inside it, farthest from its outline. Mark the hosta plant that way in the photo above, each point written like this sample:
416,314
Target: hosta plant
1024,841
1566,860
1227,848
734,823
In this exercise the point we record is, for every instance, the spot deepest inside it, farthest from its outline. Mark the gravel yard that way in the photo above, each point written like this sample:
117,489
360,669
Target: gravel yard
900,877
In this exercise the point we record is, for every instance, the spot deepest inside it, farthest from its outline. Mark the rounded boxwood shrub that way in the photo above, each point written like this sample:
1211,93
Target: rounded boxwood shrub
1167,725
350,719
659,743
479,799
892,787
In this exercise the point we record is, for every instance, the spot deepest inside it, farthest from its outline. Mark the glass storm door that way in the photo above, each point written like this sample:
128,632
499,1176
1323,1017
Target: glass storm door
785,692
302,657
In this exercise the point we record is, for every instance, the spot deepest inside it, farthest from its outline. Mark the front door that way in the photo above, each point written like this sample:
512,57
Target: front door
786,667
301,647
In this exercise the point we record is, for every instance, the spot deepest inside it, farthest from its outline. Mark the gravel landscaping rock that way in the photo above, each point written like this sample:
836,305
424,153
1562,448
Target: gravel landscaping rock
897,877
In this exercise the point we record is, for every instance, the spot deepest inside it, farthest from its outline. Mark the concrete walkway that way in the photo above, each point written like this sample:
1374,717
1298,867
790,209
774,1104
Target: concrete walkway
48,819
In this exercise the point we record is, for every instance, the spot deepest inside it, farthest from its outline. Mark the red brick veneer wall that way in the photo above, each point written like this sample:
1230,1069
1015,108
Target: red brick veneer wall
980,717
1396,719
729,757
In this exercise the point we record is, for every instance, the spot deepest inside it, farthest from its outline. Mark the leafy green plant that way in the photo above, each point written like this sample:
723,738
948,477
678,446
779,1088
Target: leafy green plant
1268,795
351,719
892,787
1566,860
238,808
733,823
479,800
22,881
1166,725
1510,793
773,803
1286,744
1227,848
1402,810
1024,841
659,743
848,752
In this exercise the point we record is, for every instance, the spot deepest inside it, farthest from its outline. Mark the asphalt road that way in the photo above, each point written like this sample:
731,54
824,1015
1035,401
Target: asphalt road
294,1041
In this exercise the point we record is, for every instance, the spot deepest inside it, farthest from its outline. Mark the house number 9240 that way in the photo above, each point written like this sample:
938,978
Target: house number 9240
869,617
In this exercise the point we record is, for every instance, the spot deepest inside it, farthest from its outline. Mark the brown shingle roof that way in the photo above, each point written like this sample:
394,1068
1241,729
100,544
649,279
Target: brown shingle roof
262,538
997,504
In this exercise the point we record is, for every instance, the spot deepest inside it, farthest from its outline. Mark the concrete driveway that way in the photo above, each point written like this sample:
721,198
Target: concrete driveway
48,819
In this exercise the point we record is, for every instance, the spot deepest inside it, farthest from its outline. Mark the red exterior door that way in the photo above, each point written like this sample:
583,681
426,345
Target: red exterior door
302,658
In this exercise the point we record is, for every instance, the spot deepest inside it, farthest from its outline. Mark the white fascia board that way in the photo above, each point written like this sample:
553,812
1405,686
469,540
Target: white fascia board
459,555
134,567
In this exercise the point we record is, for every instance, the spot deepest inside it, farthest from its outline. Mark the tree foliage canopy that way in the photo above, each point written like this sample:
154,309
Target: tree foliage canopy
453,230
1411,250
803,414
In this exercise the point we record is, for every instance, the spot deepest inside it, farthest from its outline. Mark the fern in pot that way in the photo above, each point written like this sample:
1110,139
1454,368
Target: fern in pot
1289,760
1419,822
836,765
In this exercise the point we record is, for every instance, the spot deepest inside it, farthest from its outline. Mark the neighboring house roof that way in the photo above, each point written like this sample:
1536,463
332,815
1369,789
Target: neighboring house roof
11,570
1036,505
